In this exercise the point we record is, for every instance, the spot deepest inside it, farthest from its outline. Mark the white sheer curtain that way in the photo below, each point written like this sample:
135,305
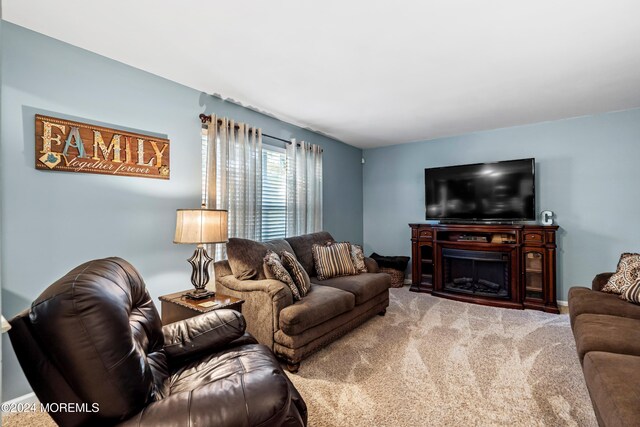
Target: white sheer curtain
234,177
304,188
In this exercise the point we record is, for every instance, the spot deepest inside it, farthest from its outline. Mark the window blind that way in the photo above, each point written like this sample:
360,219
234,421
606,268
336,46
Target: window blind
274,193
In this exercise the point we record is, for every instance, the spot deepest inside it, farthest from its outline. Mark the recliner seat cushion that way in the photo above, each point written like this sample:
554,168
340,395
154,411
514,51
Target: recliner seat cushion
601,332
321,304
613,381
363,286
241,382
219,368
586,301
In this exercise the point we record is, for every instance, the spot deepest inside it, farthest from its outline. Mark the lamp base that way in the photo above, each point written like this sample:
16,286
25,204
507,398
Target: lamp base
195,295
200,261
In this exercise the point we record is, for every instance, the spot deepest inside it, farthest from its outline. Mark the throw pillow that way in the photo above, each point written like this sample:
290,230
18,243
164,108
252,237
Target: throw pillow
627,273
246,256
632,293
357,256
333,261
277,269
301,246
297,272
267,271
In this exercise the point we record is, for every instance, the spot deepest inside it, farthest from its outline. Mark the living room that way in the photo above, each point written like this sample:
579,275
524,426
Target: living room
471,84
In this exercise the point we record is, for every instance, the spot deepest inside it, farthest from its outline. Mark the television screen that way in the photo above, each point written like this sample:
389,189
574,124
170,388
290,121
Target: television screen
484,191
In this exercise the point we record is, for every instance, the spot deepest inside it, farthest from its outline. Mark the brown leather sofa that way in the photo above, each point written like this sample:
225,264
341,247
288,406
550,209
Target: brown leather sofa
332,308
92,347
607,333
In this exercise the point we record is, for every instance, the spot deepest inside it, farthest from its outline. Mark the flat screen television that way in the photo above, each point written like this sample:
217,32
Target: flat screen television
500,191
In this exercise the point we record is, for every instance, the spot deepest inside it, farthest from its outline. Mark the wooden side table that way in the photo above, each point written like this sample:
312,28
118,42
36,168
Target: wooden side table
176,307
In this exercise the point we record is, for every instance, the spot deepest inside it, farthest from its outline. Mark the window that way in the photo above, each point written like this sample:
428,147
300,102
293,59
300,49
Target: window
203,189
274,193
274,189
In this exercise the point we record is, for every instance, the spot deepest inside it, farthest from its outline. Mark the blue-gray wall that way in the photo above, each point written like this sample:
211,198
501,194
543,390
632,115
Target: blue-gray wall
587,172
52,222
1,24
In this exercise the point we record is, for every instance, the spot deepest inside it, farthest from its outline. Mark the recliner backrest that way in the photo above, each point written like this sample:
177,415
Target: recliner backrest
97,325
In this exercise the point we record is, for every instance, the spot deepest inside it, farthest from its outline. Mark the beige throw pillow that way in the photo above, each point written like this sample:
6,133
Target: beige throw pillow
627,274
632,293
280,273
357,256
297,272
333,261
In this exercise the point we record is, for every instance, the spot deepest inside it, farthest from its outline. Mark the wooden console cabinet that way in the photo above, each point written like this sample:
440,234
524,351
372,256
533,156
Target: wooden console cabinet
511,266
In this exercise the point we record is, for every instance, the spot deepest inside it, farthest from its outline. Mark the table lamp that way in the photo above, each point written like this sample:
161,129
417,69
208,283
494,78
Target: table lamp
200,226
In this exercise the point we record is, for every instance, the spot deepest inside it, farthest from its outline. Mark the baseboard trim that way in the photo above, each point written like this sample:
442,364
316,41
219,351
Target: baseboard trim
563,306
21,401
407,281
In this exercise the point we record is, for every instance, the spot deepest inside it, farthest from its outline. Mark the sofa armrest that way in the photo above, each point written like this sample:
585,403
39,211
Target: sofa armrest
272,287
372,265
199,334
263,301
600,280
222,268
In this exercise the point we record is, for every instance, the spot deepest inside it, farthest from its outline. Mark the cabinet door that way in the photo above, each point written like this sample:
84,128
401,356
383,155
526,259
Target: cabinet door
426,265
534,274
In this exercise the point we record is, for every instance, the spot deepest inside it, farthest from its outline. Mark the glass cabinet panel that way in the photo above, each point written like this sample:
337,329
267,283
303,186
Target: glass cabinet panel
533,274
426,265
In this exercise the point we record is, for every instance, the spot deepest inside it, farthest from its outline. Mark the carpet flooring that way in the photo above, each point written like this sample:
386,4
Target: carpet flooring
435,362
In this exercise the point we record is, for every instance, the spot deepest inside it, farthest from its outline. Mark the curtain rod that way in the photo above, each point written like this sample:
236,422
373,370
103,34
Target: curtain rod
204,119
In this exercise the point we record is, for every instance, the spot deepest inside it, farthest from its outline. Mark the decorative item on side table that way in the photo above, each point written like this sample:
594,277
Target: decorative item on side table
176,306
200,227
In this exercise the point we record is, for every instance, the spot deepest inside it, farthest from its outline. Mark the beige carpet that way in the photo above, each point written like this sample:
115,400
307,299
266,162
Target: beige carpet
435,362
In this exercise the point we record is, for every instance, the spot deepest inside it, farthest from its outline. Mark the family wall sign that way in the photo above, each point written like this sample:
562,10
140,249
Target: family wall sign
67,146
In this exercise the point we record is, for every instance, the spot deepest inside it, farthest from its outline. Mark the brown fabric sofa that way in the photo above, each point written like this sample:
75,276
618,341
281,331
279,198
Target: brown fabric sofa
607,333
332,308
93,342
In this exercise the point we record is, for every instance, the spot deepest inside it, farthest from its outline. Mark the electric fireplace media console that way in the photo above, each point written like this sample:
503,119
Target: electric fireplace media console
512,266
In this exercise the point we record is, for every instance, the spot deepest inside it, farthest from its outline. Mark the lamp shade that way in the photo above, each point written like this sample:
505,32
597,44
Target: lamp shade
201,226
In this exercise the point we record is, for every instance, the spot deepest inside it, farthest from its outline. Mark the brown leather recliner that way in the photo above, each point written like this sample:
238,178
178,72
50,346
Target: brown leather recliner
92,347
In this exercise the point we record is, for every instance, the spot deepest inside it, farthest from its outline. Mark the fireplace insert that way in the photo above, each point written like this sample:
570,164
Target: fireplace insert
478,273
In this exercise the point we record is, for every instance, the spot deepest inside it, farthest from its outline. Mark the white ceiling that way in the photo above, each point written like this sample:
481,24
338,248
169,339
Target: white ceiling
372,72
